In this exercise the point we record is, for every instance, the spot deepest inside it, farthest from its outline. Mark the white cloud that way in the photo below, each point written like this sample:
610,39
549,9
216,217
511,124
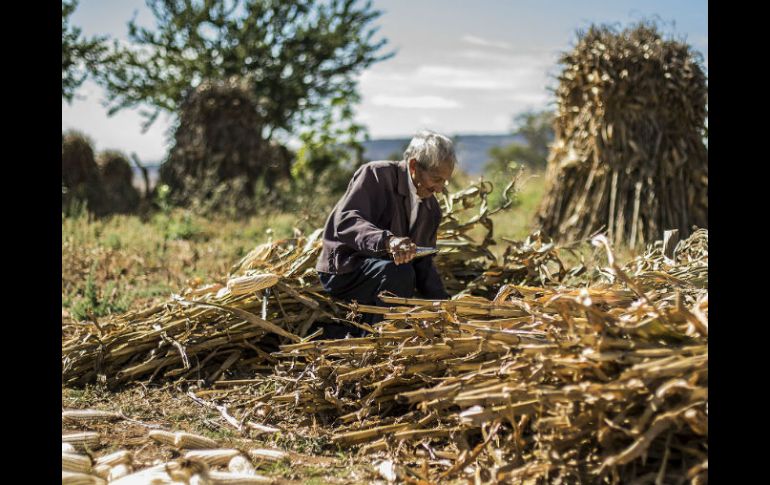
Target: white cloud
502,122
486,92
466,70
530,98
458,78
379,80
539,58
486,78
364,117
427,120
420,102
485,43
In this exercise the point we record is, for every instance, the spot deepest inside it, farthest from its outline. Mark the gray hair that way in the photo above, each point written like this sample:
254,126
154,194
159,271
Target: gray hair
431,150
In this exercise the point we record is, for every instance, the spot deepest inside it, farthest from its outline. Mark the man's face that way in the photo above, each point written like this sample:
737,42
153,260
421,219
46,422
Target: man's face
429,182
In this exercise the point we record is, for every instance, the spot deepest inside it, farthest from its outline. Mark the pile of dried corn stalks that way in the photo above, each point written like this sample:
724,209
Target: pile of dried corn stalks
273,296
607,383
602,382
629,156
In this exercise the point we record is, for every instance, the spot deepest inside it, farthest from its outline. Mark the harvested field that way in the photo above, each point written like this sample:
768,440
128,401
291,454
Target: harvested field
535,372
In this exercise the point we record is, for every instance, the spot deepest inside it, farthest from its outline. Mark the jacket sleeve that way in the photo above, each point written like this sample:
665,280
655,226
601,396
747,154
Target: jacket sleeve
429,282
364,201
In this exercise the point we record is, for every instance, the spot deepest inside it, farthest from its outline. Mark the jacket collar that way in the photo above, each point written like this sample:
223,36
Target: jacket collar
403,179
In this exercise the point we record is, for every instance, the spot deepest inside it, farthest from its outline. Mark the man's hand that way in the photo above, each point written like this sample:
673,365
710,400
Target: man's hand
402,249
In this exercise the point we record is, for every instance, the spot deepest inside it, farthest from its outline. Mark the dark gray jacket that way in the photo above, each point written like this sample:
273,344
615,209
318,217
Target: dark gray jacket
375,206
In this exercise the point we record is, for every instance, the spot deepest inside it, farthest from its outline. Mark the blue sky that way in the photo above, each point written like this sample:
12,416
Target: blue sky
461,66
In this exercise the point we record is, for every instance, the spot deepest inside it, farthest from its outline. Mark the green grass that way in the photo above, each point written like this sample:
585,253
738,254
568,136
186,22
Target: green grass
519,221
98,303
516,222
110,265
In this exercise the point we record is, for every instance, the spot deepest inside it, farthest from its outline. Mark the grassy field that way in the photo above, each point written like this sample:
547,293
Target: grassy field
111,264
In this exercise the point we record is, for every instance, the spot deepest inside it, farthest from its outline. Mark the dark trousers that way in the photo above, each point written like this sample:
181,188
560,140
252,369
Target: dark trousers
363,285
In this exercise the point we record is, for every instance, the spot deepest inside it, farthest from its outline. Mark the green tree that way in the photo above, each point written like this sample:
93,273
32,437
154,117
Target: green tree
537,130
300,56
79,55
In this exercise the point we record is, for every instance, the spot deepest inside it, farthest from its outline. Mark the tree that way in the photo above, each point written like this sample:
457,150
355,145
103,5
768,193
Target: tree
301,57
537,130
79,56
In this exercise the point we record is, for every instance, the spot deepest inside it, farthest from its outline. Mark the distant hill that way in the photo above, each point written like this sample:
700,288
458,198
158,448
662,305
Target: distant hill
472,152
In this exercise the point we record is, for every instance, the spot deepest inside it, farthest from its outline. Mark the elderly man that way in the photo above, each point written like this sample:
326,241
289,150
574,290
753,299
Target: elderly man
371,236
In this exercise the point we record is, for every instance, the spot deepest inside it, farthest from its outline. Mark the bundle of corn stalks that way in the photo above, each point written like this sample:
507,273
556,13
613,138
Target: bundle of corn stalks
117,180
629,156
604,384
80,177
219,152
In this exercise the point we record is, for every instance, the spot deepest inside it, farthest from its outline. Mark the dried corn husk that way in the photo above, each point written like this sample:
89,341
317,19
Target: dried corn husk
73,478
89,415
75,463
241,465
119,471
116,458
81,439
193,441
212,457
182,439
250,283
226,478
268,455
